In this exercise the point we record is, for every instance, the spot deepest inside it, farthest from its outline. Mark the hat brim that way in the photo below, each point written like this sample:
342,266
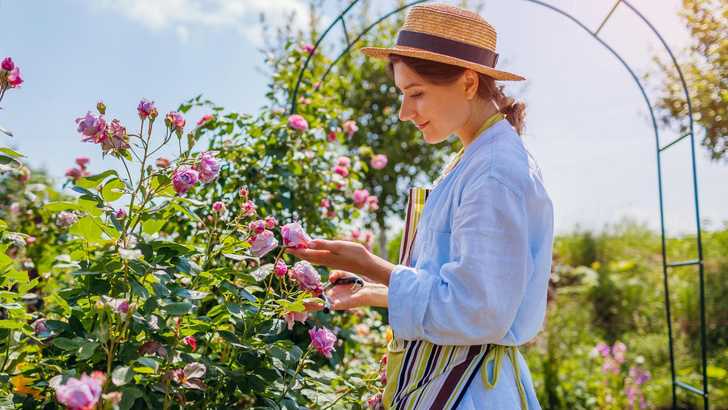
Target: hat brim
383,54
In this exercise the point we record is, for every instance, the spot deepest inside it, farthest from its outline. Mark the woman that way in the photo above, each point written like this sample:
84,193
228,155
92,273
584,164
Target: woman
474,287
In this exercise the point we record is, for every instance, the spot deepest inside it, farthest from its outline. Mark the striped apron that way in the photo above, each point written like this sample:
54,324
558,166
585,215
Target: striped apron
422,375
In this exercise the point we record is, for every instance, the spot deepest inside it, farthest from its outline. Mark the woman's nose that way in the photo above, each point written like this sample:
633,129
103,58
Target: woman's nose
406,111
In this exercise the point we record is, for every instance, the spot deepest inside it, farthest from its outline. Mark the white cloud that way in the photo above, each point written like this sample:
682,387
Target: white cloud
185,16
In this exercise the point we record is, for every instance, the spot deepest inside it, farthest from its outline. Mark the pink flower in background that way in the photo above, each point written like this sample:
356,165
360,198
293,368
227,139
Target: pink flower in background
270,222
39,326
65,219
262,243
350,127
219,208
308,48
368,236
257,226
83,393
117,138
324,203
82,161
378,161
323,340
292,317
317,86
93,128
205,118
297,122
74,174
190,340
280,269
373,202
24,173
343,162
618,351
294,236
121,214
383,377
175,121
360,197
344,172
208,166
307,276
603,349
7,64
249,208
30,240
183,179
332,136
14,78
355,234
243,192
376,402
146,108
163,162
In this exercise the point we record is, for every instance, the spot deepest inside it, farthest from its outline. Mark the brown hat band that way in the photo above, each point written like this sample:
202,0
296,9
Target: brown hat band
447,47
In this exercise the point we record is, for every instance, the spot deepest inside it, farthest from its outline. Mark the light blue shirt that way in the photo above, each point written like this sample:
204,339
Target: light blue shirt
481,261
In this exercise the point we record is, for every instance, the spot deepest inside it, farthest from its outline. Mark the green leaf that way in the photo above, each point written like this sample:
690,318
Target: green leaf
189,267
122,375
11,152
160,290
64,343
87,228
177,308
93,181
128,397
229,337
87,350
10,324
113,190
62,302
146,365
152,226
90,204
62,206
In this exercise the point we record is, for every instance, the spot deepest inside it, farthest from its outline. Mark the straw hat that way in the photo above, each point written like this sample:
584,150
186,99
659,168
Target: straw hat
447,34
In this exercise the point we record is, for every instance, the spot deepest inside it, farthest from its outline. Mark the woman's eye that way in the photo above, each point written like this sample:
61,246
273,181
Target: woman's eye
416,95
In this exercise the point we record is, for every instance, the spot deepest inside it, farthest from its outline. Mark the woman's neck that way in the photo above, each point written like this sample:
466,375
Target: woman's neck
467,132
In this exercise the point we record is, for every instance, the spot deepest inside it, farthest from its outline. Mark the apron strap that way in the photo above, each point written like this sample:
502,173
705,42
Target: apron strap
495,355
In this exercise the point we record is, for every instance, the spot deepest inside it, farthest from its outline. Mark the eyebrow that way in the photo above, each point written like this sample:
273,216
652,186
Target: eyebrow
408,86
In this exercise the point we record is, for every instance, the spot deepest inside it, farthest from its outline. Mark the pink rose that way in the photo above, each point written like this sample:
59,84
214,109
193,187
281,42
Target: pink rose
376,402
368,236
219,208
325,203
257,226
344,172
175,122
262,243
146,108
208,166
383,377
249,208
270,222
307,276
323,340
280,269
297,122
243,192
39,326
355,234
65,219
74,174
82,161
343,162
205,118
360,197
8,64
183,179
332,136
292,317
121,214
163,162
24,173
378,161
350,127
308,48
83,393
373,202
294,236
116,139
93,128
14,78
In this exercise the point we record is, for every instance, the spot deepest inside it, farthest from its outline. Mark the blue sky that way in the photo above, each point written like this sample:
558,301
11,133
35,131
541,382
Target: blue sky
588,124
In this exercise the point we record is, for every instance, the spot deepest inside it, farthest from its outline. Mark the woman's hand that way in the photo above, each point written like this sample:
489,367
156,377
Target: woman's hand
351,296
347,256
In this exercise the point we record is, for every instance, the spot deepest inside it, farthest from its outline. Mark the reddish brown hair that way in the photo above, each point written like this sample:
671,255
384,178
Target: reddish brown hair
445,74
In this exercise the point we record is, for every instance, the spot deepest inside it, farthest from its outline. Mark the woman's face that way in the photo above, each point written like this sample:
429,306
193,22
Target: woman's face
438,111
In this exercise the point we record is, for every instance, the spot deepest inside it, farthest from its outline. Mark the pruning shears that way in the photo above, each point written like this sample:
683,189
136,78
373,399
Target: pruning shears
341,281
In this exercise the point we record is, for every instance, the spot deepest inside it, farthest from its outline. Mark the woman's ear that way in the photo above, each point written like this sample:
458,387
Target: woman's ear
470,83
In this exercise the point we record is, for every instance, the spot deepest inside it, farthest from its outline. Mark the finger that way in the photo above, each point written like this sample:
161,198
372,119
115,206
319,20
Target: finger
336,274
313,307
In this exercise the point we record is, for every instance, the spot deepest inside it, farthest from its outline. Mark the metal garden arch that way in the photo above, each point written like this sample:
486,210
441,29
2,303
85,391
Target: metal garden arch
659,150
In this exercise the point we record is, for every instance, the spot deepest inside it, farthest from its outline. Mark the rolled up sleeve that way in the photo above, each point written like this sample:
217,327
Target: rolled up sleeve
468,288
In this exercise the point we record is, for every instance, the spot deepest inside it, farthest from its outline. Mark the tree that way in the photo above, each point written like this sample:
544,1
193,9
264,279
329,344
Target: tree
705,67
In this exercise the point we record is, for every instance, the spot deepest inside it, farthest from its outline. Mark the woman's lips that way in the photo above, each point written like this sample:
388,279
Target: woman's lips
423,125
